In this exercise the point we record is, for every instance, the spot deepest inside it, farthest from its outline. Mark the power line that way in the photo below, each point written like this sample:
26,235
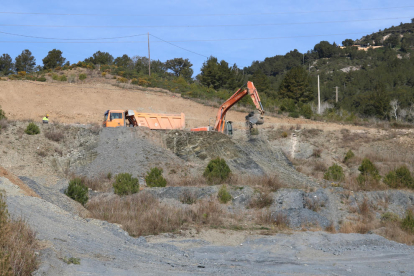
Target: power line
72,38
197,40
207,26
197,15
191,40
179,46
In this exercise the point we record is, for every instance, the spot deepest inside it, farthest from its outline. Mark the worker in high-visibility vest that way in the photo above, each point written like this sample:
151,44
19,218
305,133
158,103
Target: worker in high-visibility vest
46,119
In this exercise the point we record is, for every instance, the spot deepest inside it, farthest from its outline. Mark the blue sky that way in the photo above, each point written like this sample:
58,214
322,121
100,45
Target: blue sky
161,18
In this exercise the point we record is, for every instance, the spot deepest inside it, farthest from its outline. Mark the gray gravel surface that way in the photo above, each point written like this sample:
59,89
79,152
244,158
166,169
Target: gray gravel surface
105,249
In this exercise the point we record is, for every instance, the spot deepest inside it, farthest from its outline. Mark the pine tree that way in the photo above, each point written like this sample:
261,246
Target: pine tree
296,85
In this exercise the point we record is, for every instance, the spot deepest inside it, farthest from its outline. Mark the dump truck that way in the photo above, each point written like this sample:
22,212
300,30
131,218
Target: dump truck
132,118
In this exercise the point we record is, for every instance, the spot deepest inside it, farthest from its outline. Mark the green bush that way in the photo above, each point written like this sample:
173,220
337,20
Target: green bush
350,154
77,191
125,184
408,222
55,77
63,78
254,131
217,171
82,77
306,111
368,172
294,114
42,79
2,114
223,195
32,129
154,178
399,178
335,173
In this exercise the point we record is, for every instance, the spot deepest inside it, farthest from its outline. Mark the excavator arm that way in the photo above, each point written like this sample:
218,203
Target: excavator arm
236,97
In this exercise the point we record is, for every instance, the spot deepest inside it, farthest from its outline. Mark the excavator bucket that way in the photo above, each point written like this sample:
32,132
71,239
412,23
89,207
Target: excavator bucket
255,118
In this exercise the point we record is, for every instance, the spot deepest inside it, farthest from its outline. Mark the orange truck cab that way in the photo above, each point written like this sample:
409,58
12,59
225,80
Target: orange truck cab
114,118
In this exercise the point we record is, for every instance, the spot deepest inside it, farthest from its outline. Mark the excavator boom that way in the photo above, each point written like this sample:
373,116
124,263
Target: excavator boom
236,97
220,124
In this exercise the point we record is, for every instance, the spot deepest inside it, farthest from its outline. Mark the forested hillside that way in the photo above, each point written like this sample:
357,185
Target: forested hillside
371,81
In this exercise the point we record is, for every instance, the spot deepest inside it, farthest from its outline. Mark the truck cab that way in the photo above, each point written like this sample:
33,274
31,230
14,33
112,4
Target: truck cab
114,118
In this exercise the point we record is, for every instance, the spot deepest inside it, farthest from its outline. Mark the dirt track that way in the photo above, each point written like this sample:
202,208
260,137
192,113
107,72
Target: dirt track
86,103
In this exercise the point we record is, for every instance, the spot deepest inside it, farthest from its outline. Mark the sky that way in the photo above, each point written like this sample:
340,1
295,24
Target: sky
238,32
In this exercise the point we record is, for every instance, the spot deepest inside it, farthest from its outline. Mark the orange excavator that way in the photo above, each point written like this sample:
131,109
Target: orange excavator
253,118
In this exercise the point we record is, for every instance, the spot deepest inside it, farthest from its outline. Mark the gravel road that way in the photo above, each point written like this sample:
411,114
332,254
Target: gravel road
105,249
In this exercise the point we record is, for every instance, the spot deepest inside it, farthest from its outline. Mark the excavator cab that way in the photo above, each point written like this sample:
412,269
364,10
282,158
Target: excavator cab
114,118
228,129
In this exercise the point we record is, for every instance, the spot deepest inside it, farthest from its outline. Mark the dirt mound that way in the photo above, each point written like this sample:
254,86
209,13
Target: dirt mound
249,156
126,150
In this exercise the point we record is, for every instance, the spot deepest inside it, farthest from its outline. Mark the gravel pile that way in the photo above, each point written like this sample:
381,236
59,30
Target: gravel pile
127,150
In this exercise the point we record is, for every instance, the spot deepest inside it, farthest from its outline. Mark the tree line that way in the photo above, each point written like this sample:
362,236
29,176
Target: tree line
368,81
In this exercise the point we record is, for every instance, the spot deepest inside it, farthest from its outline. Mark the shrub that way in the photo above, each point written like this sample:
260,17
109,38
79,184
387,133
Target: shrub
408,222
123,80
54,135
306,111
317,152
77,191
188,197
109,176
82,77
294,114
17,244
134,81
261,200
22,73
32,129
103,74
154,178
42,79
2,114
125,184
335,173
63,78
284,134
217,171
399,178
55,77
254,131
223,195
369,173
348,156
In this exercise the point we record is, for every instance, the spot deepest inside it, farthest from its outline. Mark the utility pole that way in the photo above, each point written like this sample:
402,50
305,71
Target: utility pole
319,98
149,58
336,93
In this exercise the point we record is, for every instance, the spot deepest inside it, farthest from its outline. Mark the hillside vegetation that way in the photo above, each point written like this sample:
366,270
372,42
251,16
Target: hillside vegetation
371,82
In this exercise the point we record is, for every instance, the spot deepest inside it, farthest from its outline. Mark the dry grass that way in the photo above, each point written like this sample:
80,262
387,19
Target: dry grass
54,134
355,227
316,152
331,228
313,203
17,245
188,197
100,183
262,183
261,200
143,214
352,184
3,124
193,181
320,166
